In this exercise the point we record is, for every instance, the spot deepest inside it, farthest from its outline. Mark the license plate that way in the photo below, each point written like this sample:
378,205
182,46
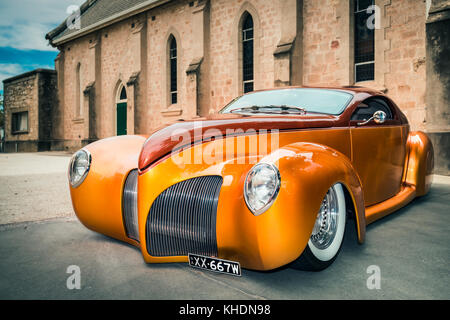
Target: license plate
214,264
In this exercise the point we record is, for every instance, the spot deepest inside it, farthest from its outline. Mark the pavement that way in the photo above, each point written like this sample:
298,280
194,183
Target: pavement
40,238
33,186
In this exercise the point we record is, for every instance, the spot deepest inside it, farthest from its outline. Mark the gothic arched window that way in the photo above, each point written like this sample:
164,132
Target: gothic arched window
173,69
247,53
79,93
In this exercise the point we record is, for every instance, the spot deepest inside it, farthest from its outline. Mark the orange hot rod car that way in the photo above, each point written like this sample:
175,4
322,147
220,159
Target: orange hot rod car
268,181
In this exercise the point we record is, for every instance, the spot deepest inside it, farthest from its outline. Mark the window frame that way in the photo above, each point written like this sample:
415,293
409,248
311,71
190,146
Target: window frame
173,70
244,41
394,121
14,122
79,98
122,99
356,10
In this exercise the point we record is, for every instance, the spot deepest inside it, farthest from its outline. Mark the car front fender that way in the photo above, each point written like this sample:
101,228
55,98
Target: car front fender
307,171
97,201
277,236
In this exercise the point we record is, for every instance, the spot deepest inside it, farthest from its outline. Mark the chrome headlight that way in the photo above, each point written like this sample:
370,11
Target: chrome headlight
261,187
79,167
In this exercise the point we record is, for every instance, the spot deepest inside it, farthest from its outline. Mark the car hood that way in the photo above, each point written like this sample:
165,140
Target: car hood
163,140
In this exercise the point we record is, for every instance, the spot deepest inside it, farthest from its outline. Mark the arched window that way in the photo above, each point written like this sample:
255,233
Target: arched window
78,93
121,110
173,69
247,53
123,94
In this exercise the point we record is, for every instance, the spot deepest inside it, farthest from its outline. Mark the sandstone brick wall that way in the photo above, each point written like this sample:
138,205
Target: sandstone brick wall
406,78
35,93
75,53
48,102
224,28
21,95
117,65
137,47
172,19
399,50
322,44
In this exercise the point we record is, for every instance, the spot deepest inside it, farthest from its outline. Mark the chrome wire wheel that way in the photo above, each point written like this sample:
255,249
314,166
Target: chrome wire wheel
327,221
328,232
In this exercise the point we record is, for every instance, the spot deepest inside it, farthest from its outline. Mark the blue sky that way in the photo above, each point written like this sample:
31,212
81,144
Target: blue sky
23,25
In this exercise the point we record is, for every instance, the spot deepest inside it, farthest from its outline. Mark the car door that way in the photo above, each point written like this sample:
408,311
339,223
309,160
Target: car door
378,150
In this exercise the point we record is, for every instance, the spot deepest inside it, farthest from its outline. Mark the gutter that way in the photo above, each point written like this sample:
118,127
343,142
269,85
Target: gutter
150,4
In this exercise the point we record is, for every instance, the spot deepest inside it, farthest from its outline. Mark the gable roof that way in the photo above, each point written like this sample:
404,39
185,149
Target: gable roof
96,14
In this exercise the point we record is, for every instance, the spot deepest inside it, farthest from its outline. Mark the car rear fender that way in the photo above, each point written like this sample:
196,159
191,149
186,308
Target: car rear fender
419,162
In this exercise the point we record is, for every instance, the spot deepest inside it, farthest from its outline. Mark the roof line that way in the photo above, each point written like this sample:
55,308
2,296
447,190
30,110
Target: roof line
63,25
149,4
29,73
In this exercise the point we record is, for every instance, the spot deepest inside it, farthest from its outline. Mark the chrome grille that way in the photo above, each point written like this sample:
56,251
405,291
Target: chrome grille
182,219
129,206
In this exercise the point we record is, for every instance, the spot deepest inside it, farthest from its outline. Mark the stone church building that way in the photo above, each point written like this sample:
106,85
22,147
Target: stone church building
129,66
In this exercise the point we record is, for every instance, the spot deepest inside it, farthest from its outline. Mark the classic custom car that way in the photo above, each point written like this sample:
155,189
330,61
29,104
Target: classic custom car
268,181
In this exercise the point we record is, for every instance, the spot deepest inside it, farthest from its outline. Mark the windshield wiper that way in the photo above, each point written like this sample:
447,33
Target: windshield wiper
284,109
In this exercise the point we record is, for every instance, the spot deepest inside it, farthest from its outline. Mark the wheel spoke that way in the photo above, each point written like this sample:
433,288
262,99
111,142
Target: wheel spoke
326,224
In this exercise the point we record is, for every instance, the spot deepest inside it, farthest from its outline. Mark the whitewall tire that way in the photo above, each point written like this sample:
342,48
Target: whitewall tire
328,232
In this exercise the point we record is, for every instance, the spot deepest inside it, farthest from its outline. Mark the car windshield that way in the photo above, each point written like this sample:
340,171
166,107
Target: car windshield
292,101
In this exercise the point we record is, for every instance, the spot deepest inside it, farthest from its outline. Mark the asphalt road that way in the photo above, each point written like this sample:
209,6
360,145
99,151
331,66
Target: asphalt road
410,247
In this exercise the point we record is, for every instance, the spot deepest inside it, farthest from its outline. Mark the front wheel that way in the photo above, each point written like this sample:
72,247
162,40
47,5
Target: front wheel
328,232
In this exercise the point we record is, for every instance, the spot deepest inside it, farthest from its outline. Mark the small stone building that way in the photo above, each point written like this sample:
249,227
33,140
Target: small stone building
30,100
128,66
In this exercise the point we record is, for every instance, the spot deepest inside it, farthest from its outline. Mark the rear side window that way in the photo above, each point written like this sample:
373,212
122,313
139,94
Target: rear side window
366,110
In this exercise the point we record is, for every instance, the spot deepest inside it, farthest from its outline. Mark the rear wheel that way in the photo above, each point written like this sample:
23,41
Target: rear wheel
328,232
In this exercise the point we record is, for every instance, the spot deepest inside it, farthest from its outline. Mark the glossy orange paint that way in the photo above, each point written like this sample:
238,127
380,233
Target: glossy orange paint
417,177
279,235
311,153
161,142
380,170
379,210
420,162
97,202
307,166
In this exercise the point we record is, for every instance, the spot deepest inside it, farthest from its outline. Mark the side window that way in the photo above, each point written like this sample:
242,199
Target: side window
369,107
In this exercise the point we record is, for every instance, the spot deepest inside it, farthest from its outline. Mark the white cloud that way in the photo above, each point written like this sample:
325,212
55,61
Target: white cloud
8,70
24,23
